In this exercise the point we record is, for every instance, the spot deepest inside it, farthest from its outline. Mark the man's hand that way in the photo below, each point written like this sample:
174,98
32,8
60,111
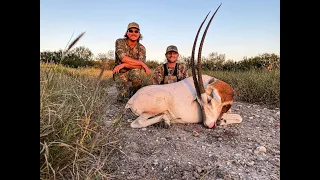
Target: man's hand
146,69
117,68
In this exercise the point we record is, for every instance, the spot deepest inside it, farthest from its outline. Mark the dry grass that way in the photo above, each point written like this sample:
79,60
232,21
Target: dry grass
254,86
74,141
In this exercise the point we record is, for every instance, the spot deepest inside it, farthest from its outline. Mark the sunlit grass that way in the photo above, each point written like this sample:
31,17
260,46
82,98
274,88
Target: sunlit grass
253,86
74,142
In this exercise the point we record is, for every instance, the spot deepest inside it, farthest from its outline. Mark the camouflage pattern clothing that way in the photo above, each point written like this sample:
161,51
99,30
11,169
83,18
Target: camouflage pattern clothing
128,81
177,74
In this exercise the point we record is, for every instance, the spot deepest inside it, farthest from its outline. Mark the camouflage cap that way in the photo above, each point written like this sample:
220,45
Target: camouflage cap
172,48
133,25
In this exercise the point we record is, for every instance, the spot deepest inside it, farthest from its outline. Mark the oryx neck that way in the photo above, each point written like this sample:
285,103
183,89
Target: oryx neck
192,89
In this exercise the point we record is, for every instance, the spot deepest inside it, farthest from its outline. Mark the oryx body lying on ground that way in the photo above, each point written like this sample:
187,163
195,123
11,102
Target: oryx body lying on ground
186,101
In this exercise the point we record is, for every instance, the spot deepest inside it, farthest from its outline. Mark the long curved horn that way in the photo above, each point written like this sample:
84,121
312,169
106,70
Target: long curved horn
196,84
199,54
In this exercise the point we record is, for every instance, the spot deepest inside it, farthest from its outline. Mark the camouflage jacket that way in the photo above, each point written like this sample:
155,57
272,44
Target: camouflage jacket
160,78
123,49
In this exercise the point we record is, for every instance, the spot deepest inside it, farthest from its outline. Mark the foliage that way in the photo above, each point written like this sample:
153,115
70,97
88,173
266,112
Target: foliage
83,57
253,86
77,57
74,142
152,64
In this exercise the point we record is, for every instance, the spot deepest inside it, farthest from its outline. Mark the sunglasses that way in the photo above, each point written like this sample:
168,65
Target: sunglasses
131,31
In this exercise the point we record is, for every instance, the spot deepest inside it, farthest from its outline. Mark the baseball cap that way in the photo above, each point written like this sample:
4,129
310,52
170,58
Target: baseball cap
172,48
133,25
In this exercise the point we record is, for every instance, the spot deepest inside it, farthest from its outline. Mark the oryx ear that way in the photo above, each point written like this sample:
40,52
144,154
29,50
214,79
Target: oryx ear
216,95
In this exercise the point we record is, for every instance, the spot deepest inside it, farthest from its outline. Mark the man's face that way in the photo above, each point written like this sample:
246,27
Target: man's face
172,56
133,34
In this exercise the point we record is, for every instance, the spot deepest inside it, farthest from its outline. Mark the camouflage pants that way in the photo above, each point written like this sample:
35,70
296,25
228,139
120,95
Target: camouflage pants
128,83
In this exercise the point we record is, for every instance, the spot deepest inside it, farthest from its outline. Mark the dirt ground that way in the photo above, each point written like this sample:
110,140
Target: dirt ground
191,151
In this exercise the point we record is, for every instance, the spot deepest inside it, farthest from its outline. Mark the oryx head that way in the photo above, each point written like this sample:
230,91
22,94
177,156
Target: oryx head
212,99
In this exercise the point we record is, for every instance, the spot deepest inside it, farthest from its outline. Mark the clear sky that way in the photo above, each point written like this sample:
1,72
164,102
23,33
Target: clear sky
240,27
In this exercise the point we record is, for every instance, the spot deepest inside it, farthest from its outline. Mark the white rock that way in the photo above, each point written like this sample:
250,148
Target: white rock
250,163
108,123
271,118
260,158
260,149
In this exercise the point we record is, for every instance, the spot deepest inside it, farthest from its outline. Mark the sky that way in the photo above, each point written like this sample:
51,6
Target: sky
240,28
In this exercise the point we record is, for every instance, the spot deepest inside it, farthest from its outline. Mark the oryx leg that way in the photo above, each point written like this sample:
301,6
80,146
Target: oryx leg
143,121
227,119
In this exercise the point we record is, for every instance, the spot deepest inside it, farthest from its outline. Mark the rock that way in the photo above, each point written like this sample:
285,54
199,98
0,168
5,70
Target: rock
195,133
199,170
196,175
260,149
259,158
251,117
271,118
250,163
277,161
219,139
108,123
143,129
186,175
142,171
155,162
134,156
